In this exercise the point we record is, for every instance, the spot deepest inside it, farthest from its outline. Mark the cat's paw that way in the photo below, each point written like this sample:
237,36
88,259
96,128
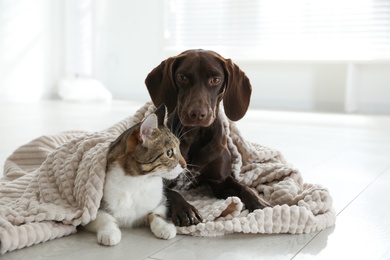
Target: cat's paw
163,230
109,237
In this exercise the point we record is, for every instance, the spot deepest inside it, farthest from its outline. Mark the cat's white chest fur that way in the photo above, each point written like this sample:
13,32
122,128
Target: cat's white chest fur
131,198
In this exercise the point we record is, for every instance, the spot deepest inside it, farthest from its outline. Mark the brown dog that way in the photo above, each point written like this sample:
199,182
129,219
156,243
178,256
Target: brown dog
192,85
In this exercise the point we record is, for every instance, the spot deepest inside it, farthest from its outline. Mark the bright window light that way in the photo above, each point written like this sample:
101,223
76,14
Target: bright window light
282,29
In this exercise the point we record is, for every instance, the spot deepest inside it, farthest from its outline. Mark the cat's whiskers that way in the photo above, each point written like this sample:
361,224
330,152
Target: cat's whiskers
183,134
189,176
178,131
193,165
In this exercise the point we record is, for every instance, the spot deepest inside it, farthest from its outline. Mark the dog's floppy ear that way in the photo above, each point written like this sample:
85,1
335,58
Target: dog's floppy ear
161,85
237,93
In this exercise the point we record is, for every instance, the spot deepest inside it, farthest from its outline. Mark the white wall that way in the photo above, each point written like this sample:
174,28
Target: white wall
132,35
296,85
30,49
373,88
40,43
320,86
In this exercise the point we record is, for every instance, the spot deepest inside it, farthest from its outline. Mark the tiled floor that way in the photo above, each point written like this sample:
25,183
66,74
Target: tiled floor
348,154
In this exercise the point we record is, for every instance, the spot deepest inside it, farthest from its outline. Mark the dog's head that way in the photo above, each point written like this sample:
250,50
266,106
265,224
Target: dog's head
194,82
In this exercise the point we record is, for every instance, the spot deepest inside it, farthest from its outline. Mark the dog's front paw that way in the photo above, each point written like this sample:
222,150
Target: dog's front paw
184,215
252,201
162,229
109,237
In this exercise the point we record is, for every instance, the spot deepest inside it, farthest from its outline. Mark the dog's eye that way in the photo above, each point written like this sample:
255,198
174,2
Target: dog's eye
182,77
215,80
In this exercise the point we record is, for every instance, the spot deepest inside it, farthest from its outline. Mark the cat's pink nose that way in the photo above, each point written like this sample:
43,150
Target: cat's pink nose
183,163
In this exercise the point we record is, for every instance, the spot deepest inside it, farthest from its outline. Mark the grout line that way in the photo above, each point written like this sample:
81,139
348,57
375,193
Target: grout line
308,242
177,240
363,190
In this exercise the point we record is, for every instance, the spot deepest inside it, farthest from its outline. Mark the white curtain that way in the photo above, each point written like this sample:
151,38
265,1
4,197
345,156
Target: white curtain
281,29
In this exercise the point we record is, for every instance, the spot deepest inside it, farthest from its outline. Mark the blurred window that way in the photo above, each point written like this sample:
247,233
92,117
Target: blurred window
281,29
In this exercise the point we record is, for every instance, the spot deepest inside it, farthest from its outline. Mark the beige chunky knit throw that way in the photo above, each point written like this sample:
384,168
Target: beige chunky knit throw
55,183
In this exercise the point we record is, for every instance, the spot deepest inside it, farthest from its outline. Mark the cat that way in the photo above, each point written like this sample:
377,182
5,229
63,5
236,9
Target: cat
137,162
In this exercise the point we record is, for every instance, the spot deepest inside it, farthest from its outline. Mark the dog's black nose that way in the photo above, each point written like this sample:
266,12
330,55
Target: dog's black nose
197,114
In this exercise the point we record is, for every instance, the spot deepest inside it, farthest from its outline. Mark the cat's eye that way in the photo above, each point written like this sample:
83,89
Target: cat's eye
169,153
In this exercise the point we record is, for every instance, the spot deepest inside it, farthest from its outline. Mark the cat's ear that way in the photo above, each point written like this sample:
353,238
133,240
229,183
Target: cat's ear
162,115
148,126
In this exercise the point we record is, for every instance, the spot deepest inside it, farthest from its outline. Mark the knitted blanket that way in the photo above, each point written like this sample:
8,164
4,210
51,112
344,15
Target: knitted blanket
55,183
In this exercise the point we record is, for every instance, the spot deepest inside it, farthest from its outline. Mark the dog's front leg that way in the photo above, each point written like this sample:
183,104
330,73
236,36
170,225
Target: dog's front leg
231,187
181,212
217,174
